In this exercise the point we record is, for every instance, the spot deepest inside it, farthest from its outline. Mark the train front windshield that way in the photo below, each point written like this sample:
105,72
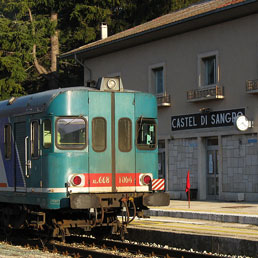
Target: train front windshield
146,134
71,133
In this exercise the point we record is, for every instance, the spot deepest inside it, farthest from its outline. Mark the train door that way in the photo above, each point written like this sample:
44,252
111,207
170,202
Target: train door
100,149
34,157
27,160
20,156
124,142
111,162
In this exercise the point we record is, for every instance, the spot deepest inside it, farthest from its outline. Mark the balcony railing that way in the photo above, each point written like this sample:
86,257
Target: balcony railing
205,93
252,86
164,100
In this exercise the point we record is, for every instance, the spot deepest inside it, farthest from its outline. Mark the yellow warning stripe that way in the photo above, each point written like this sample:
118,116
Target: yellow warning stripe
200,228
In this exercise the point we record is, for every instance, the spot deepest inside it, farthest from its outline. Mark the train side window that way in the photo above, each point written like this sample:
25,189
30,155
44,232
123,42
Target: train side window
35,139
47,134
146,134
125,134
99,134
7,141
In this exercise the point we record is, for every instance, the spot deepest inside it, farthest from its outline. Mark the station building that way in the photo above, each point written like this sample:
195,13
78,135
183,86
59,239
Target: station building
202,64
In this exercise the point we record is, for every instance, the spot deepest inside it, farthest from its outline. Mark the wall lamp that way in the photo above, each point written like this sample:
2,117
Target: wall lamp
205,110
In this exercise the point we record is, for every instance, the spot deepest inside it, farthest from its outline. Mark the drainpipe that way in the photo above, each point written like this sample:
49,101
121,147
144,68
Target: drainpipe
83,65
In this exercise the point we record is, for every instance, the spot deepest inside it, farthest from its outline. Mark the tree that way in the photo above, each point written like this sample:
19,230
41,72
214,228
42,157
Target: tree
33,32
14,45
138,11
20,36
30,35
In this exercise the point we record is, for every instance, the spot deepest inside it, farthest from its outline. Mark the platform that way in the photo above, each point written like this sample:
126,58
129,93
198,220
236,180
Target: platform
219,227
227,212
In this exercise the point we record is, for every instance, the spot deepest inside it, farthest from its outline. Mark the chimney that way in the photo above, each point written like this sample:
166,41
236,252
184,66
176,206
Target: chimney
104,30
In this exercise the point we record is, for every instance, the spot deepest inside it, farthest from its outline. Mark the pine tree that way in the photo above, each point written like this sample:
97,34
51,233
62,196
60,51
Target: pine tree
32,32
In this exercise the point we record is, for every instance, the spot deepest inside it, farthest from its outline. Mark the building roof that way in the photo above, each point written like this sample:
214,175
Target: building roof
191,14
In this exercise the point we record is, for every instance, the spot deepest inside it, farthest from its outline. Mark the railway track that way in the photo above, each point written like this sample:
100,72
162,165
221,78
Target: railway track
145,250
90,248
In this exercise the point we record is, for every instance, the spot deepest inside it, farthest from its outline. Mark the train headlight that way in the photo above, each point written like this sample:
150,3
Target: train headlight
145,179
76,180
111,83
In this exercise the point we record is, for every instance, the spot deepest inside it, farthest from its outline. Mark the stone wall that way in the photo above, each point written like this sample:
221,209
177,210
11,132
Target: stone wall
183,156
240,164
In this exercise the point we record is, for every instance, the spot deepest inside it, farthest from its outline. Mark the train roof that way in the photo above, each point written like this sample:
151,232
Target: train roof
35,103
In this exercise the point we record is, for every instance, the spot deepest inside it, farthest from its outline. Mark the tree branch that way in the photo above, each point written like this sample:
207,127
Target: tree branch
39,68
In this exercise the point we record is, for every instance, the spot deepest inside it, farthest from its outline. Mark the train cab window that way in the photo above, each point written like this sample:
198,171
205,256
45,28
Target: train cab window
146,134
35,139
71,133
125,134
7,141
47,134
99,134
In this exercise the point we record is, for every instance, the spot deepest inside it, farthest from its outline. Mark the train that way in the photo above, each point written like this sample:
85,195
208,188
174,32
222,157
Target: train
78,160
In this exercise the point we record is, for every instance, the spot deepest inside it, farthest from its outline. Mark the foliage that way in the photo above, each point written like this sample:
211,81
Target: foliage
25,24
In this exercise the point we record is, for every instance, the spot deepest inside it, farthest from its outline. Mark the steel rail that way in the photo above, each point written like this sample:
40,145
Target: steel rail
143,249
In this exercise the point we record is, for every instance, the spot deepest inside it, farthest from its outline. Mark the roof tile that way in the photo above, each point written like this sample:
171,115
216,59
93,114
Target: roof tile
189,12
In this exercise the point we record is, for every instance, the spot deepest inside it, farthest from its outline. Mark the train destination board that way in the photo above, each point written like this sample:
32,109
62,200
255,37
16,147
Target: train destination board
206,120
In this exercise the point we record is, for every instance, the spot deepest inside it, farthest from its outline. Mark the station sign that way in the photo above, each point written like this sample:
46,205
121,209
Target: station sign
206,120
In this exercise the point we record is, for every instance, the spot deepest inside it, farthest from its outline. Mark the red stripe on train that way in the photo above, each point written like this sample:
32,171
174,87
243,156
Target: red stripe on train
105,179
